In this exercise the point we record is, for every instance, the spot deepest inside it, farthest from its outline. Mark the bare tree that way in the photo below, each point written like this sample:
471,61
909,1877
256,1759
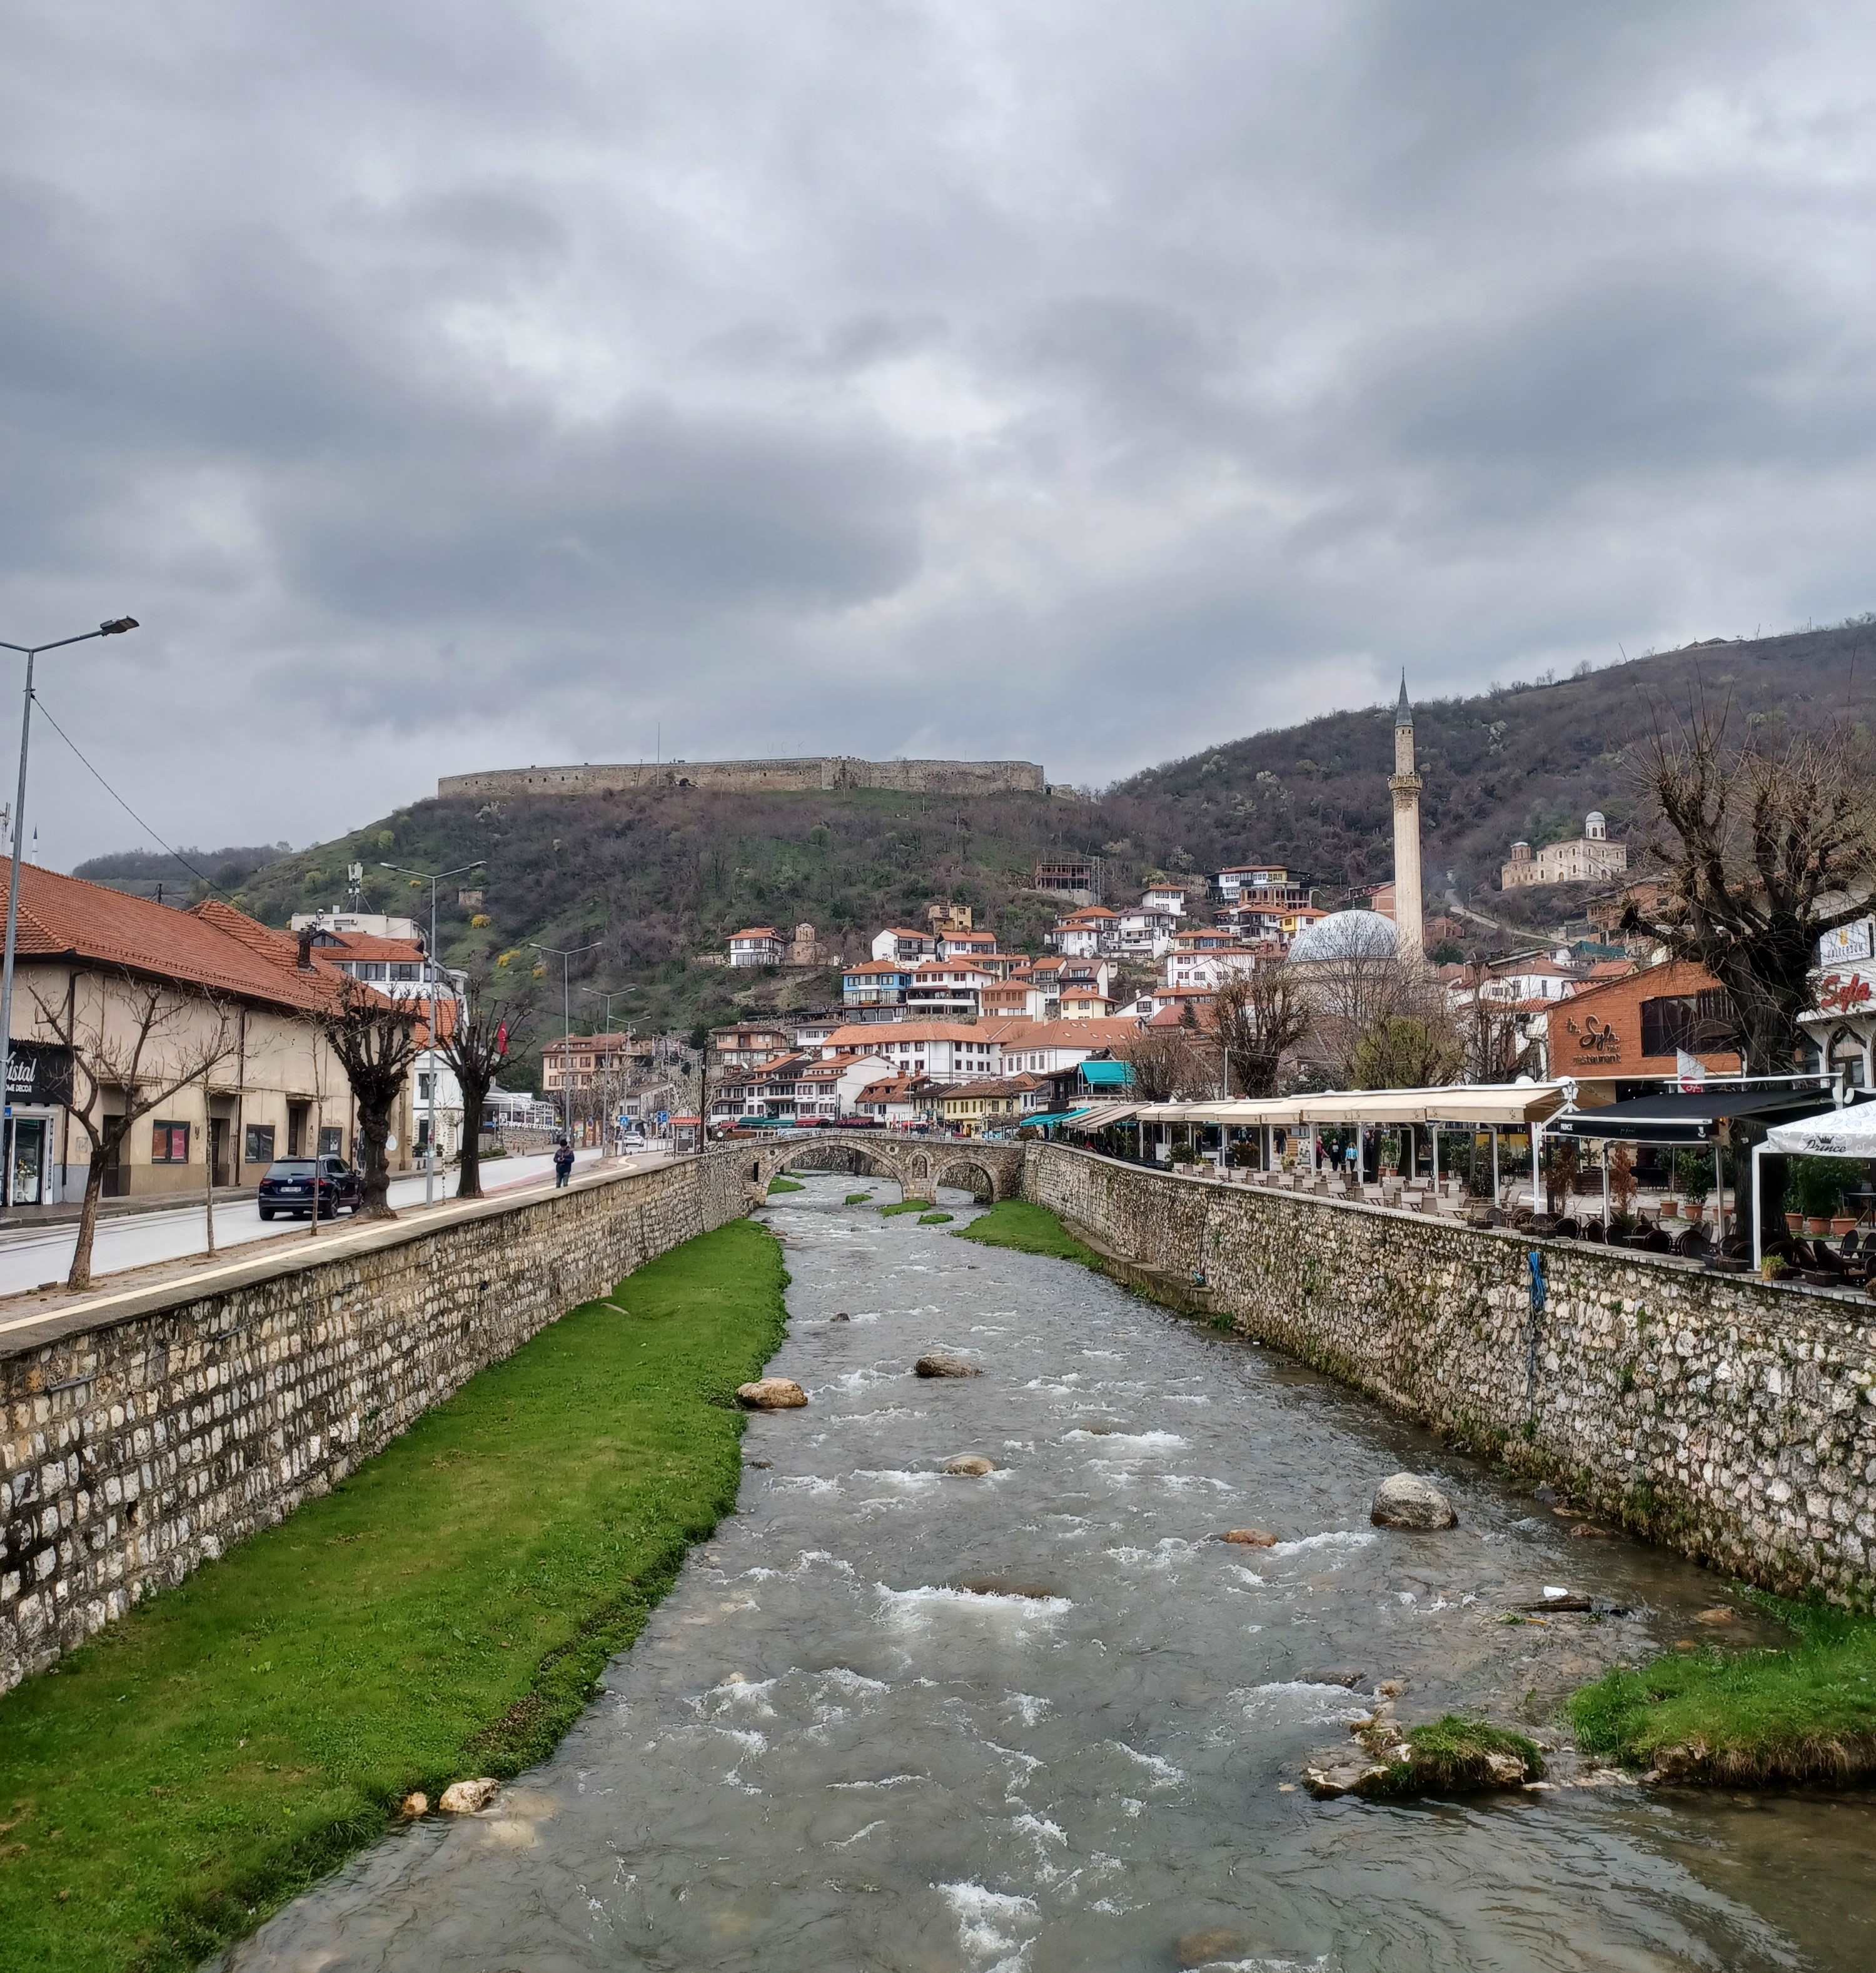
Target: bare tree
1408,1051
1166,1063
376,1042
484,1034
1490,1032
1259,1018
1355,979
1765,842
150,1042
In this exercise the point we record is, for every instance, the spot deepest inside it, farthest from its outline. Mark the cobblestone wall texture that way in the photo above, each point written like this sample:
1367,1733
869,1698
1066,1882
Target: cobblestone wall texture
1718,1415
829,770
131,1453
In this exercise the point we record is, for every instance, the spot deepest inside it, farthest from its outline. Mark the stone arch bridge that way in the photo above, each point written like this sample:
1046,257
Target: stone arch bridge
919,1165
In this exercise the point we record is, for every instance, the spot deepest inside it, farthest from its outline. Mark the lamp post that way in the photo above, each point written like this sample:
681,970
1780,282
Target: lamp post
430,967
567,957
608,995
115,628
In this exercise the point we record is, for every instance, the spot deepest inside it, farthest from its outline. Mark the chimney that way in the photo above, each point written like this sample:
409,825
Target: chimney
306,948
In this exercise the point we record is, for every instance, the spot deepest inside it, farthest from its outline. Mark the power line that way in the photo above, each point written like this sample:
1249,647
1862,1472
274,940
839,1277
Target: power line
39,702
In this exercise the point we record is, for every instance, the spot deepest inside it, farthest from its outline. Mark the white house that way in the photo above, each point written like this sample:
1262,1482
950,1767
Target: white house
1168,898
893,1099
1040,1047
966,944
1210,966
947,990
757,945
905,944
947,1051
1146,932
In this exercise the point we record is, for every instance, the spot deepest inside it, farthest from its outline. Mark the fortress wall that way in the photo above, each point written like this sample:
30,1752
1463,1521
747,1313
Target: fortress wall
959,777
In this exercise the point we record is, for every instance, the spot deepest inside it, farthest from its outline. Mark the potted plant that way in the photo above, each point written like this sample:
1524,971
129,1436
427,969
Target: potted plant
1692,1173
1670,1207
1622,1215
1818,1186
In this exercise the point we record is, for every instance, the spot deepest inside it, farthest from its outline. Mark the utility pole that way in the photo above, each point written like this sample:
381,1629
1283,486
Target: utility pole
566,957
436,1021
608,995
115,628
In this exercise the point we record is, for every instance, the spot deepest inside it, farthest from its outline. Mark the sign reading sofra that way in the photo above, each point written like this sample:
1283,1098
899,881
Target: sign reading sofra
39,1072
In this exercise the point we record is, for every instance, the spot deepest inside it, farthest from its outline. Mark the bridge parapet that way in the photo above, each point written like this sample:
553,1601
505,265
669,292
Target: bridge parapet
918,1165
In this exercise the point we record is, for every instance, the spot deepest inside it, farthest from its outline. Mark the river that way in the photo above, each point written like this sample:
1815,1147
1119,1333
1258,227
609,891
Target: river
906,1722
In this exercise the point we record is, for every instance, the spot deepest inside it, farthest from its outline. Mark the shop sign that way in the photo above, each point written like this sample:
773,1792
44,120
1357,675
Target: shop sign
39,1073
1596,1041
1843,992
1845,943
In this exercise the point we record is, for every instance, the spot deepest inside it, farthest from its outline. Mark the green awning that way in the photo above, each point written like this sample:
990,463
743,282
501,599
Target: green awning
1108,1075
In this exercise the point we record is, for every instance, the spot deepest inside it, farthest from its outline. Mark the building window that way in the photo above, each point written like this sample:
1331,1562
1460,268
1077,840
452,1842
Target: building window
169,1143
1699,1022
260,1148
331,1142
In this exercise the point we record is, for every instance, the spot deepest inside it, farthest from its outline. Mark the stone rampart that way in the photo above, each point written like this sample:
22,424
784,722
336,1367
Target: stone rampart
146,1432
817,772
1719,1415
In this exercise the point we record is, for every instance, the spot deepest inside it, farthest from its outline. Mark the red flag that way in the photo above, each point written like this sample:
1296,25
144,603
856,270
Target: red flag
501,1041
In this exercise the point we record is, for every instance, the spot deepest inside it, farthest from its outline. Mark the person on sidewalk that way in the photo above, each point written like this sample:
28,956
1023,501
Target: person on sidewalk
563,1162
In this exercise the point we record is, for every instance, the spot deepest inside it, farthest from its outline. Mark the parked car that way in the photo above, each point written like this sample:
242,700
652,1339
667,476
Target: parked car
630,1143
291,1183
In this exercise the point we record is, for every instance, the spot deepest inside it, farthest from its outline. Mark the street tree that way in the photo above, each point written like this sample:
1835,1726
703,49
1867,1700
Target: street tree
1260,1017
135,1045
1408,1051
484,1033
1166,1063
1764,840
1356,981
376,1040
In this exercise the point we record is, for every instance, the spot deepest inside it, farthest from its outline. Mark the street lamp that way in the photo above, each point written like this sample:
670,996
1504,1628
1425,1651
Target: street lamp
608,995
115,628
566,958
430,967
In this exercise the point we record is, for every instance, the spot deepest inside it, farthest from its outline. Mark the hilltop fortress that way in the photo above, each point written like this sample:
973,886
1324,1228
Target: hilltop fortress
828,770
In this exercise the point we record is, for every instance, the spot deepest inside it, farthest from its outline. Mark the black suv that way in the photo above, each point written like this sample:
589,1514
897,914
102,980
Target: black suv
289,1184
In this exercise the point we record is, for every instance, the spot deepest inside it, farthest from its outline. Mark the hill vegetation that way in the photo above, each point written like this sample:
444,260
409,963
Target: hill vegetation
656,878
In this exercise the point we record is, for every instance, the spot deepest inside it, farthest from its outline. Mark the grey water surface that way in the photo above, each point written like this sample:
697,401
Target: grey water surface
896,1721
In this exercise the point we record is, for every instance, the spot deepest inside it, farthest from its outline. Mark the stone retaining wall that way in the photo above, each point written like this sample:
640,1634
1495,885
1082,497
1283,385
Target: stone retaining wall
1718,1415
145,1434
817,772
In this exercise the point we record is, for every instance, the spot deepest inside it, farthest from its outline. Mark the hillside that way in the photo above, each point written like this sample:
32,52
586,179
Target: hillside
656,877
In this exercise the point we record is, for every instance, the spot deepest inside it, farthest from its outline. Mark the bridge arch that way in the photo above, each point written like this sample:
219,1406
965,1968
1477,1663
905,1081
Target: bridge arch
918,1165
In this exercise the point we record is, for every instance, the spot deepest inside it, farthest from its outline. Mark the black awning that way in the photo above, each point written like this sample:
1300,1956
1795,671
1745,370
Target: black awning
1686,1116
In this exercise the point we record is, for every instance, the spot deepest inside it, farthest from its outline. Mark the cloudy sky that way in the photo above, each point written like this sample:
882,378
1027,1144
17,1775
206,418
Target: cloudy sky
449,387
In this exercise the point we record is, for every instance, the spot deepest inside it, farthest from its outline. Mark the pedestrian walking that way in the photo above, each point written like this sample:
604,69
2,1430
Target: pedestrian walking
563,1162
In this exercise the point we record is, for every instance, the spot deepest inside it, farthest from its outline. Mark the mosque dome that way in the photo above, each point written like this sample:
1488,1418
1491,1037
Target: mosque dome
1346,935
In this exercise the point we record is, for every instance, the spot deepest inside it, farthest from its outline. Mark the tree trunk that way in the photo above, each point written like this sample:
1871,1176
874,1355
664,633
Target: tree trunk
375,1135
79,1276
469,1180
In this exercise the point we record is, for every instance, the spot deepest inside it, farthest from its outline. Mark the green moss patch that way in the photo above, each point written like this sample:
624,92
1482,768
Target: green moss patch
934,1219
1029,1229
1805,1713
905,1205
1454,1755
777,1186
858,1198
443,1613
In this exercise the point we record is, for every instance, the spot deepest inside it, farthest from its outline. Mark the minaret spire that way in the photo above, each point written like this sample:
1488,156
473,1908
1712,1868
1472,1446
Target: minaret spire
1405,785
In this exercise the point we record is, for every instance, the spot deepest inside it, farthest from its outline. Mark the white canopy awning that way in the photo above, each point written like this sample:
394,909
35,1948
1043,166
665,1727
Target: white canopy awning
1512,1106
1832,1133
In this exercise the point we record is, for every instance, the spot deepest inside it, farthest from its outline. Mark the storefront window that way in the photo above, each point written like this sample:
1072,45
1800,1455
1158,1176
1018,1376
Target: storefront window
260,1144
331,1142
29,1150
169,1143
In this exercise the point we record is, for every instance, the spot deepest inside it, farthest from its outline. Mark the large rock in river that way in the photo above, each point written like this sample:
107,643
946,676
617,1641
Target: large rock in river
942,1363
1406,1500
771,1394
969,1466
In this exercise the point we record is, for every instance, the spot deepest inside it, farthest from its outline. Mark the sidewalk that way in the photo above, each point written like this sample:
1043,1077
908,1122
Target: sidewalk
67,1214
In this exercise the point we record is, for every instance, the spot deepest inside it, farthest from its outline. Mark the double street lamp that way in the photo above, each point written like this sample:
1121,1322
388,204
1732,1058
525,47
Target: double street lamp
436,1019
566,957
609,994
115,628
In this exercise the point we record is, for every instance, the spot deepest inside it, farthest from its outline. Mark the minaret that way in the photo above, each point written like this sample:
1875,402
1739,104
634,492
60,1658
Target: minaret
1405,784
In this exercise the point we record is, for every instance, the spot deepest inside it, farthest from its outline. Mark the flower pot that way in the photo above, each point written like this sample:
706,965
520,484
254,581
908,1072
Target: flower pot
1794,1222
1696,1211
1842,1223
1671,1208
1817,1226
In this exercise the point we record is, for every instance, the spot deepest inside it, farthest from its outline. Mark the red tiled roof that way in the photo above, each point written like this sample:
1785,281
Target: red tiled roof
875,965
365,945
211,945
755,931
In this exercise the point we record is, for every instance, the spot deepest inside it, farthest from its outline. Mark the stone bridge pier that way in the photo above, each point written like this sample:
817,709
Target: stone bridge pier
918,1165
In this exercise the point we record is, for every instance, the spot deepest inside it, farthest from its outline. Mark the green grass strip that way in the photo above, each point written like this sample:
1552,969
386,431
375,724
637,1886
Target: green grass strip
858,1198
934,1219
444,1613
905,1205
1807,1713
779,1185
1449,1756
1029,1229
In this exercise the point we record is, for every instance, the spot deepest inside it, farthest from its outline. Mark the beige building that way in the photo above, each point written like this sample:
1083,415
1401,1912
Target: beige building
1589,858
115,994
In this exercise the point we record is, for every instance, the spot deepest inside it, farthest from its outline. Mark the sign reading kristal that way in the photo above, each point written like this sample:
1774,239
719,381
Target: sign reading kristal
39,1072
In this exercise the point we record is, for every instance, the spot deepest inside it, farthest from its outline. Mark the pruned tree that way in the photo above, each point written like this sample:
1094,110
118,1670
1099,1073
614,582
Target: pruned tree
1260,1017
1356,981
1166,1063
1765,841
483,1034
1492,1034
376,1042
1408,1051
149,1041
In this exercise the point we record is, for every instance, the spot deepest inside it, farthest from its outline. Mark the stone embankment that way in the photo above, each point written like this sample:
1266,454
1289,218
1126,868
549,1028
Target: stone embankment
1719,1415
143,1434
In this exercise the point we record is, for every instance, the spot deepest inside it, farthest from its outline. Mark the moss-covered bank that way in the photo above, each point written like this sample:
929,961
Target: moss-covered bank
1804,1713
444,1613
1029,1229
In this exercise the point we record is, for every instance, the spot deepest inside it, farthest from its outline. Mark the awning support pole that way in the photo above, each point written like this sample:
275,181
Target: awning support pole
1606,1186
1719,1189
1758,1194
1432,1138
1494,1165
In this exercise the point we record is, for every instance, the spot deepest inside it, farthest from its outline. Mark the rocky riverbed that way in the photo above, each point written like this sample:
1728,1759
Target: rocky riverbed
1032,1713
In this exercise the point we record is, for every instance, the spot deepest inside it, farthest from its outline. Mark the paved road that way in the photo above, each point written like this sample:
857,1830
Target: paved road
31,1256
